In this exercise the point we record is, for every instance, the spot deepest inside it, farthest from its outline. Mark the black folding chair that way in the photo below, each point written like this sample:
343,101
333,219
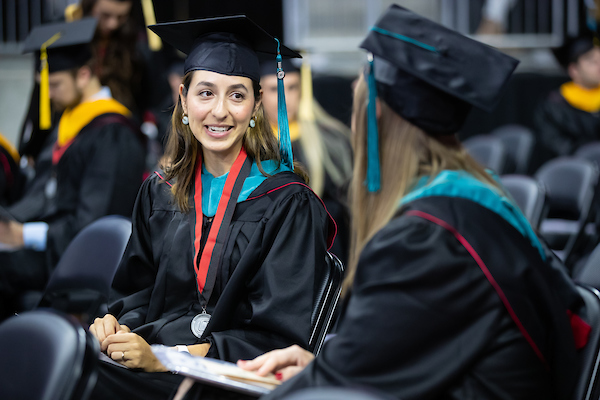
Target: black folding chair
487,150
588,273
46,356
570,184
587,387
338,393
323,315
518,143
530,196
81,281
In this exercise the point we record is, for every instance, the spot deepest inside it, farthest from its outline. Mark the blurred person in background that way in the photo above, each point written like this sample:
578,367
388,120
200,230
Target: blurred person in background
319,141
122,61
11,178
570,116
93,167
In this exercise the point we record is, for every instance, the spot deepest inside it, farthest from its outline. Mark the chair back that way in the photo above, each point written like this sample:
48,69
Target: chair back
587,387
530,196
83,276
588,273
570,184
328,295
590,152
46,356
518,143
487,150
338,393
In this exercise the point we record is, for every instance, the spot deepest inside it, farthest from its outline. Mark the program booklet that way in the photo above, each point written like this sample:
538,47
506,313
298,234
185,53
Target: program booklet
214,372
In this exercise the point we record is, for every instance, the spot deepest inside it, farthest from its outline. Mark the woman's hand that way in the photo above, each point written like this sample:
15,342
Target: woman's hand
11,233
106,326
131,350
285,363
199,350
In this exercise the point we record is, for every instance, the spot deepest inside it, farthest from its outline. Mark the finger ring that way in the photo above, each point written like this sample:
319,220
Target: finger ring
123,356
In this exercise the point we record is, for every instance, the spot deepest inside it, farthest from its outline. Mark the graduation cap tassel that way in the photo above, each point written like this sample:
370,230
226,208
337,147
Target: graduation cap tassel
306,111
373,171
154,41
45,117
285,143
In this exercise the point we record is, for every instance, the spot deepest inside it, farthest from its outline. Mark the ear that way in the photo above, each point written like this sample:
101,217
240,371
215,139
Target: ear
573,71
182,98
258,101
83,76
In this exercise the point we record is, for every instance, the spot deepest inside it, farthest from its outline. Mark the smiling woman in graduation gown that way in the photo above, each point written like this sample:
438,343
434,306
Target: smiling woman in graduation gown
452,295
229,243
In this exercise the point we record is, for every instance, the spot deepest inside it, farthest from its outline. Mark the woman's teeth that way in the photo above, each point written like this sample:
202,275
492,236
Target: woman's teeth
218,129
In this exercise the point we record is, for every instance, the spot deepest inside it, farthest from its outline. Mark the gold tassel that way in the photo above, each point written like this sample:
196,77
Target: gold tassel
154,41
73,12
305,109
45,118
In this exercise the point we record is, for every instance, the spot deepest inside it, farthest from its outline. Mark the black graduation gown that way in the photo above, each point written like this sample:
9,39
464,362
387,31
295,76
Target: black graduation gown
265,288
99,174
11,178
562,128
424,322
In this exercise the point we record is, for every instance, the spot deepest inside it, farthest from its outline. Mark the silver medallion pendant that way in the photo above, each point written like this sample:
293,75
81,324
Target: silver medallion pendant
199,323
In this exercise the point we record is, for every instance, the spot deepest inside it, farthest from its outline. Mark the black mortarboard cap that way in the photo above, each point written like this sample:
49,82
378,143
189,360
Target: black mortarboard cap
431,75
573,48
68,43
60,47
230,46
226,45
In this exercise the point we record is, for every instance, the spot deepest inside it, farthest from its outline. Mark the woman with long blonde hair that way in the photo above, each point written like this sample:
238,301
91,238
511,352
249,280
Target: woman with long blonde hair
450,294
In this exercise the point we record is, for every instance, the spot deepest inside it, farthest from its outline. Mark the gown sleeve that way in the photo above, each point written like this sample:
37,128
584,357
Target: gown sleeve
135,278
109,185
280,288
420,314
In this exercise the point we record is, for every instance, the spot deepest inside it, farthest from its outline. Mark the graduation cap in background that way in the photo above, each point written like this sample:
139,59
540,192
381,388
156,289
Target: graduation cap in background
575,47
61,47
429,75
230,46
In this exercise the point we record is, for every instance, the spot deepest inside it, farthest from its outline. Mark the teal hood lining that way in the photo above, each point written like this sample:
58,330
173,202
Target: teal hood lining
461,184
215,185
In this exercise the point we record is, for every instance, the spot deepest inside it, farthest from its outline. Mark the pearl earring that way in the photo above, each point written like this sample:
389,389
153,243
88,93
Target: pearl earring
185,119
252,123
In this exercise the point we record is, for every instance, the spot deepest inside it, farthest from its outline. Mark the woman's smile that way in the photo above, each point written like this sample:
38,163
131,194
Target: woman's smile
218,131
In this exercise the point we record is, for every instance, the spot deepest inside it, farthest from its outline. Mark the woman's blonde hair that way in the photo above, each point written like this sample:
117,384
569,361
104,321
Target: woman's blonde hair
181,152
318,159
406,153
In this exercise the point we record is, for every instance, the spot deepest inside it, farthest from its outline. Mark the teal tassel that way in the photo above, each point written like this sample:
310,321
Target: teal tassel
285,143
373,170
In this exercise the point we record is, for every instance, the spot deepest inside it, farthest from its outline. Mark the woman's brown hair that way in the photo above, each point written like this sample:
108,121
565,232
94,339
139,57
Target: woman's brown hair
181,151
406,153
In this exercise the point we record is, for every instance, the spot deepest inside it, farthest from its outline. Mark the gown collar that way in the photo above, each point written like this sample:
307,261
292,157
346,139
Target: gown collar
461,184
212,187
